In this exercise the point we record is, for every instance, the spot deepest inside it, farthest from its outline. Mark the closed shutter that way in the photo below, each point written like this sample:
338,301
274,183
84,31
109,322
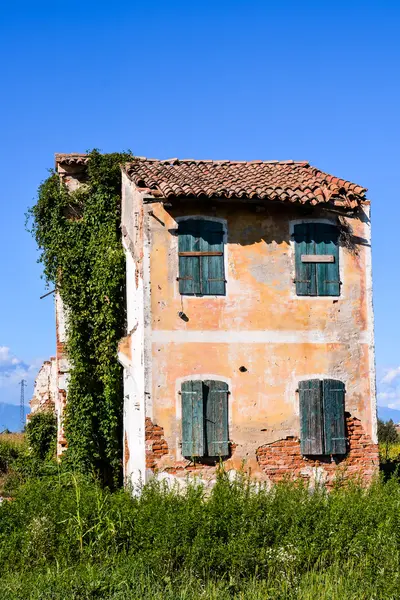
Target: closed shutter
317,278
326,242
311,422
306,283
201,257
212,266
189,266
216,412
192,419
334,426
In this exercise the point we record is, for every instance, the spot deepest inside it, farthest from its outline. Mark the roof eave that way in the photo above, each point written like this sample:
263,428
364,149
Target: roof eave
71,159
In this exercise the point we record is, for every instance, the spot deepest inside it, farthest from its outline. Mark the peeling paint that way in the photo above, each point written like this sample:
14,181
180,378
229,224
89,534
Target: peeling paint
260,325
260,338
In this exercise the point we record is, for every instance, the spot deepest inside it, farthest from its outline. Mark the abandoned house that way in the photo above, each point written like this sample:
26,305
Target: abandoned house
249,320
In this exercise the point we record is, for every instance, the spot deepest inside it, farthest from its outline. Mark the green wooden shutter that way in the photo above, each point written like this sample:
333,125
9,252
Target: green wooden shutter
311,419
189,266
306,283
334,428
212,267
201,274
326,242
216,411
192,419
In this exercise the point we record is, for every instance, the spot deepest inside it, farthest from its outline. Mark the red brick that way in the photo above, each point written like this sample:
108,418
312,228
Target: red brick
283,457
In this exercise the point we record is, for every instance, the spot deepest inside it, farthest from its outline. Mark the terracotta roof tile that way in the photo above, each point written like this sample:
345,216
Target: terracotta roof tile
287,181
71,159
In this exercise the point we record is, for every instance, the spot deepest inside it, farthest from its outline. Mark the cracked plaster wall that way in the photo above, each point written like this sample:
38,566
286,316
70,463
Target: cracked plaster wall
260,324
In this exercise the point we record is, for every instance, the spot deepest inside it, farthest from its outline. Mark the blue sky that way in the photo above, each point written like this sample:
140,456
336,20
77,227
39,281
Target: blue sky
316,81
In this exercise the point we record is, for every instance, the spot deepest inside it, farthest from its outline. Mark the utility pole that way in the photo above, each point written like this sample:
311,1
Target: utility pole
22,383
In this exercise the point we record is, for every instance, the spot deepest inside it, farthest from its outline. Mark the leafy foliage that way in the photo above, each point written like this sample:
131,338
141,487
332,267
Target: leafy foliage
41,432
387,432
387,438
67,537
78,234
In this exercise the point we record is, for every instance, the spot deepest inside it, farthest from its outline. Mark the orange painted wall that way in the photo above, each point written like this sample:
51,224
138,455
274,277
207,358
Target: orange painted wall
263,405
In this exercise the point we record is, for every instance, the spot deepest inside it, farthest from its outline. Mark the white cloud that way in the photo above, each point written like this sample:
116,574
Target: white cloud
7,357
13,376
387,395
391,375
389,388
4,354
12,370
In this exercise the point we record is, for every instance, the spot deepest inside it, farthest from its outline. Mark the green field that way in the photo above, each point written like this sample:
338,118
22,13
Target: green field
63,537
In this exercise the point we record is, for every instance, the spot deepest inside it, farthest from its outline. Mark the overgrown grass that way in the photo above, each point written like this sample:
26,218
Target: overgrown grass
20,463
65,537
17,439
12,447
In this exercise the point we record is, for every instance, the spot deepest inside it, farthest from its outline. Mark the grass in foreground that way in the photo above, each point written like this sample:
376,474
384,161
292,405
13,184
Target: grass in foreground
65,537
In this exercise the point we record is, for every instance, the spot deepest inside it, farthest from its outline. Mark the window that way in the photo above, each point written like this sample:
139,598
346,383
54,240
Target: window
204,418
317,259
322,417
201,258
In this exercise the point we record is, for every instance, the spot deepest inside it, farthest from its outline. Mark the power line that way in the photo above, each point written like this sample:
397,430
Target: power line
23,384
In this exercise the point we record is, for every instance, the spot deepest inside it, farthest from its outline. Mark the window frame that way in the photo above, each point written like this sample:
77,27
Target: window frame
175,250
293,293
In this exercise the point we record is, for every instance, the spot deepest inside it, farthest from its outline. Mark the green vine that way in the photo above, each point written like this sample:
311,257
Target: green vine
78,234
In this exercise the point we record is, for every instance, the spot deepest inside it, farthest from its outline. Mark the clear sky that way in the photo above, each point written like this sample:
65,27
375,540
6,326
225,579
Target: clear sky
316,81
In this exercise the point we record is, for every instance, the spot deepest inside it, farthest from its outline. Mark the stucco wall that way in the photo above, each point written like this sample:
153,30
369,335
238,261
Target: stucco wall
62,368
133,349
260,324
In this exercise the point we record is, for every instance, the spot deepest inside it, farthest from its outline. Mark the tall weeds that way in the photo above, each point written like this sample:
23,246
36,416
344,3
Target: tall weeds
67,535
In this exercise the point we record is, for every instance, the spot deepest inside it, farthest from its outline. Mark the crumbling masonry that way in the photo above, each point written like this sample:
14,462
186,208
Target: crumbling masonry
249,321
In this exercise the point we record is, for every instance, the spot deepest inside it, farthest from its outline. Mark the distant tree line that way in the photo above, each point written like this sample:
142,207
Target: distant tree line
387,432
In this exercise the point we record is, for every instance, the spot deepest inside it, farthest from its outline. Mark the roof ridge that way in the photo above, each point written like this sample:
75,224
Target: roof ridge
217,161
68,156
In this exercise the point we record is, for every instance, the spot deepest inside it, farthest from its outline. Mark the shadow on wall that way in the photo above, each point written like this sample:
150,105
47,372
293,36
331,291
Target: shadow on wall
245,232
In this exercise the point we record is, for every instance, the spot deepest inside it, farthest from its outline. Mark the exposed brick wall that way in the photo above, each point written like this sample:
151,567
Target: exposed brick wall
279,459
60,349
283,458
156,446
205,467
